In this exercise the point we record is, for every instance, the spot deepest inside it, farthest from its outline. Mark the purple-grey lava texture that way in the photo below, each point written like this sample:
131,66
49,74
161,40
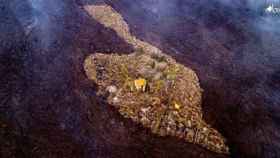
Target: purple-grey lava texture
50,109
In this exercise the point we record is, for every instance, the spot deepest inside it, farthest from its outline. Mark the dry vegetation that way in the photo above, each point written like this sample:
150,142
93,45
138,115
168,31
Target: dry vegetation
155,91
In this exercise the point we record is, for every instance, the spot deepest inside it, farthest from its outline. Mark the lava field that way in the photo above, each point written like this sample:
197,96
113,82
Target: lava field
49,108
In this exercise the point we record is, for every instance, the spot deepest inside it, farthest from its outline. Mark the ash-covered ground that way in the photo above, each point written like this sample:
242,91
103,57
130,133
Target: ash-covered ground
48,107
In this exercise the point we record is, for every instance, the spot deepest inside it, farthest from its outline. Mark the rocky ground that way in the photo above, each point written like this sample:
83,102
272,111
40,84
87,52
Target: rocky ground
50,109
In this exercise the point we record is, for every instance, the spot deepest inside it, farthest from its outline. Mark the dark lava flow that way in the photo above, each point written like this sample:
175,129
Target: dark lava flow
49,108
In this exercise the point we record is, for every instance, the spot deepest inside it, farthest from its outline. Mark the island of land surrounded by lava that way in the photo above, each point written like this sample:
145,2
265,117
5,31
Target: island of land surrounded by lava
150,88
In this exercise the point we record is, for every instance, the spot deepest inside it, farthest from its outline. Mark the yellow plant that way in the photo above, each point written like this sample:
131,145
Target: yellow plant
177,106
